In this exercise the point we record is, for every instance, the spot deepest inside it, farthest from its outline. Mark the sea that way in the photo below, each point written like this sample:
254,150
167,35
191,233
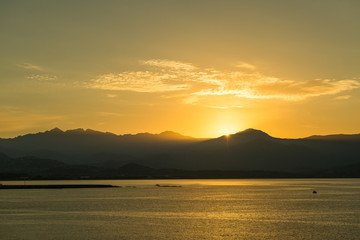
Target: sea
280,209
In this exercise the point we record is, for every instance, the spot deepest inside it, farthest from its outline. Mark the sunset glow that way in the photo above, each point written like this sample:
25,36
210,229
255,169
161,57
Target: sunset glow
179,119
151,66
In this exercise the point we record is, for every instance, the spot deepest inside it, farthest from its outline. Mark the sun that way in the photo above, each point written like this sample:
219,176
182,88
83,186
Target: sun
225,128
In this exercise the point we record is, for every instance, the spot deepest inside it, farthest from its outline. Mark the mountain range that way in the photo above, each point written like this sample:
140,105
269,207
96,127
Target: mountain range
92,153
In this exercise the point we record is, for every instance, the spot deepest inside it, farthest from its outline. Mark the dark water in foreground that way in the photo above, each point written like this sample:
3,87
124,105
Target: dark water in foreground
200,209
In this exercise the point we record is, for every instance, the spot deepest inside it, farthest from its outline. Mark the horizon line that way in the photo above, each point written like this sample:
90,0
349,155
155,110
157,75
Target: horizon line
170,131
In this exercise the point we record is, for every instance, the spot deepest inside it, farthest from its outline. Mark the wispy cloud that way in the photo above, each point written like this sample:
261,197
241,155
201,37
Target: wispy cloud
225,107
42,77
138,82
262,87
245,65
345,97
111,95
113,114
30,66
194,84
164,63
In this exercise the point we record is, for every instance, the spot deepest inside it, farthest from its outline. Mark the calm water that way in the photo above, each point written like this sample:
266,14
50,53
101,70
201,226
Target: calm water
200,209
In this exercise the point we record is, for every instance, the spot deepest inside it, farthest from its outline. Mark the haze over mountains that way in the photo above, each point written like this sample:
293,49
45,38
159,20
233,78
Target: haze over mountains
88,152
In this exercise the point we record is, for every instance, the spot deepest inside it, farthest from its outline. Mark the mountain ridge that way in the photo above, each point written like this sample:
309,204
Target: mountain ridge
82,131
248,131
246,150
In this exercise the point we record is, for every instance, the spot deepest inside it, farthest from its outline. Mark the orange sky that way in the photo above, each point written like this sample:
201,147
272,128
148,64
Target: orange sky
203,68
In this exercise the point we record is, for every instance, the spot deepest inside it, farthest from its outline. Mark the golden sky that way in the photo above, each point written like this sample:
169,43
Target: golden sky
202,68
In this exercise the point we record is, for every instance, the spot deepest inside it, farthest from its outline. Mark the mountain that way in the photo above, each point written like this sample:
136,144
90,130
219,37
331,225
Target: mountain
28,165
252,149
249,150
338,137
83,146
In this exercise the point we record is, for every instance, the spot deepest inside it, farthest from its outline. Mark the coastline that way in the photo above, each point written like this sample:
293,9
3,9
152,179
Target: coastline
56,186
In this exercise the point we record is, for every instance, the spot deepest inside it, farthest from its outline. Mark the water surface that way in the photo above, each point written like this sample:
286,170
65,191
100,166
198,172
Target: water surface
200,209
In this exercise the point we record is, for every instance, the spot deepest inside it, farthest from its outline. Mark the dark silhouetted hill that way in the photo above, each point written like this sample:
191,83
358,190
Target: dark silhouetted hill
95,153
84,146
27,166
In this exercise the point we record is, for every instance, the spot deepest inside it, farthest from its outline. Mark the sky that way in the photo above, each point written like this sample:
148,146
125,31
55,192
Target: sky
203,68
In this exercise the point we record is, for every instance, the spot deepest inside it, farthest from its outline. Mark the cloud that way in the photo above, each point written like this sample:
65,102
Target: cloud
262,87
193,84
164,63
345,97
30,66
168,76
112,114
42,77
191,100
225,107
245,65
196,100
137,82
111,95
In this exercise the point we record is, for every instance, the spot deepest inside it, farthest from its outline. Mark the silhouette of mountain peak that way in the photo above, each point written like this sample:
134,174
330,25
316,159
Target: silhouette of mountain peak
81,131
55,130
76,131
91,131
252,133
170,134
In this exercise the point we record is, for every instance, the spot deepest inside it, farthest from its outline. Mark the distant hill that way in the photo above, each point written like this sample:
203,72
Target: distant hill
31,168
25,166
249,150
89,146
338,137
253,149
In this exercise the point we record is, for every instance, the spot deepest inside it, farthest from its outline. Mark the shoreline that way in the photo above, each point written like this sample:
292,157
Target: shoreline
56,186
